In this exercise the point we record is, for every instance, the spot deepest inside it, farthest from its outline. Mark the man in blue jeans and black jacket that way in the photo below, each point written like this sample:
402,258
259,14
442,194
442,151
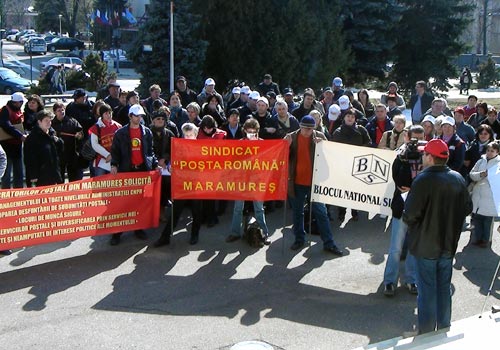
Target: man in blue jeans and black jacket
435,210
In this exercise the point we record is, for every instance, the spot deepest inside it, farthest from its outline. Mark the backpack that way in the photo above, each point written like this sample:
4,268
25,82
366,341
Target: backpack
88,152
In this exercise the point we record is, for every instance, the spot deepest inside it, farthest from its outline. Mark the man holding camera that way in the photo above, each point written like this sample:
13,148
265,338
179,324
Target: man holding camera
434,211
405,168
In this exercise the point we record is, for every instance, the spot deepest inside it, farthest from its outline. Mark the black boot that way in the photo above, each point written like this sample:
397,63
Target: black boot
194,238
115,239
163,240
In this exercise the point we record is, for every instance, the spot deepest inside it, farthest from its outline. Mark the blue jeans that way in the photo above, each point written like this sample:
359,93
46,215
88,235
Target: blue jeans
482,227
398,235
100,171
15,166
434,293
258,208
318,210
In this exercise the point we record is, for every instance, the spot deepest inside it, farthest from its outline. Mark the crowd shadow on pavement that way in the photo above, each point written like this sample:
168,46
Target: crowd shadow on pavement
28,253
53,277
214,289
480,265
349,235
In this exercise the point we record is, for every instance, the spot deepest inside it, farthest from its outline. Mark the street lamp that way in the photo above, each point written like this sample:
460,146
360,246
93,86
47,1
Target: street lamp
60,27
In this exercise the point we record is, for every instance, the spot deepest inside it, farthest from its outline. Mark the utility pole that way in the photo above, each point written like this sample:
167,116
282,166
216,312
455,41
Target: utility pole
171,46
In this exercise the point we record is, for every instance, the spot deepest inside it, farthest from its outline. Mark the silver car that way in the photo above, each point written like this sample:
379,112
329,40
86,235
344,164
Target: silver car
35,45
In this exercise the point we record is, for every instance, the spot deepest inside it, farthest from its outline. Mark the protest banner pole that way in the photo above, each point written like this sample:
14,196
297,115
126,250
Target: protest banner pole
309,234
172,218
283,229
489,289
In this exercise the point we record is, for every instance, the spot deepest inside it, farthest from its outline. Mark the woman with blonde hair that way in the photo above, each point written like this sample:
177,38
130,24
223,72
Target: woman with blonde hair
393,139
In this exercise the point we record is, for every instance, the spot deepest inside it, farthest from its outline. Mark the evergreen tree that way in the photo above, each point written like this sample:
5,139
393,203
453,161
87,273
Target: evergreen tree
370,30
298,42
488,74
189,50
97,71
428,38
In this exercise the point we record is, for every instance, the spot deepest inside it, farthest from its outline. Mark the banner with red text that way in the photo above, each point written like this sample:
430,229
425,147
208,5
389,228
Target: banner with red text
229,169
101,205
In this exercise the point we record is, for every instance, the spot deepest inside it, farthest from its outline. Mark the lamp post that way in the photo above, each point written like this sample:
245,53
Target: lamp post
171,46
60,26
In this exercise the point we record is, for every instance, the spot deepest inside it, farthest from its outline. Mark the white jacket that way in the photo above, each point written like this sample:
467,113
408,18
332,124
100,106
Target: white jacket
482,196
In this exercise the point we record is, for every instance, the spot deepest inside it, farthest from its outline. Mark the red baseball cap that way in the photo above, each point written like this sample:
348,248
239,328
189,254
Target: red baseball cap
438,148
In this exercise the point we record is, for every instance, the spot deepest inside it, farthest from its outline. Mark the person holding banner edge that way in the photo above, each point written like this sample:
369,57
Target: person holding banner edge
349,132
190,132
132,151
3,166
302,146
251,131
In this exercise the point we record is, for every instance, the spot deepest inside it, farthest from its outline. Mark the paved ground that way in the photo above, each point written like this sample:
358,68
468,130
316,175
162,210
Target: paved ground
87,295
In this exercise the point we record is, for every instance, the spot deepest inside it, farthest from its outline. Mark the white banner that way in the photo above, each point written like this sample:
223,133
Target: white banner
494,180
354,177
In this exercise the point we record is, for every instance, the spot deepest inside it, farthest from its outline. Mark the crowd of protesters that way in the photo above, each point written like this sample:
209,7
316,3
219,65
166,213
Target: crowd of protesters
44,146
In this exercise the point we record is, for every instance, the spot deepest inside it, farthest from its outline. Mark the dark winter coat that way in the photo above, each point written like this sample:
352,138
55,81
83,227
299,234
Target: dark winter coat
42,152
435,211
351,135
121,149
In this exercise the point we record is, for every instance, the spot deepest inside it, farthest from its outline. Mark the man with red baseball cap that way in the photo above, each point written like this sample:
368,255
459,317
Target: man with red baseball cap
435,210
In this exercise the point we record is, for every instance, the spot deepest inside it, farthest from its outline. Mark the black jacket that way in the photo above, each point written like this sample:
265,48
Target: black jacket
229,136
302,111
435,210
121,149
187,96
42,152
457,149
357,136
82,112
29,118
71,145
161,143
266,122
426,99
403,173
263,89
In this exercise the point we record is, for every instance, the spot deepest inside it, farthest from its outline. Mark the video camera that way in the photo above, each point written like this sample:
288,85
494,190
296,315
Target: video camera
411,151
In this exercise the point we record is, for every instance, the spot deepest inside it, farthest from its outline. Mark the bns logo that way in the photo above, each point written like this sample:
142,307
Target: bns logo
371,169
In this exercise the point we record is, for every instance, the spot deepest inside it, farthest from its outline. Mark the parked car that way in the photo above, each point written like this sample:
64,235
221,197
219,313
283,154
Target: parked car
23,32
67,61
26,37
11,82
11,37
65,44
49,37
9,32
111,55
16,68
35,45
86,36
